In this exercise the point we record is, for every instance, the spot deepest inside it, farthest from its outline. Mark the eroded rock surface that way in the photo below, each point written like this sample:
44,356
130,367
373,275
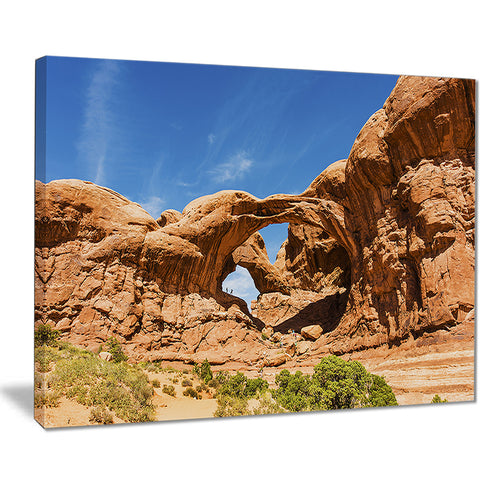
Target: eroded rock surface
380,249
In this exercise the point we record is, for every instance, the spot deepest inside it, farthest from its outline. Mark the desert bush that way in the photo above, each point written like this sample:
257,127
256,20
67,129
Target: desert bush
186,383
153,367
231,406
293,390
335,384
190,392
46,399
44,356
202,387
222,377
380,394
205,371
43,364
437,399
100,414
267,405
239,386
114,347
45,335
235,391
169,390
39,380
155,383
82,376
214,383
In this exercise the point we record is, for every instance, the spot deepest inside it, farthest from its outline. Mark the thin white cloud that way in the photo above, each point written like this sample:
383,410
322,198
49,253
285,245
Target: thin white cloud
98,126
234,169
211,138
186,184
154,206
176,126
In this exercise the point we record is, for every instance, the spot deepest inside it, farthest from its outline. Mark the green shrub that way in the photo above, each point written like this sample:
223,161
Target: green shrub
100,414
190,392
231,406
222,377
437,399
335,384
46,399
239,386
43,364
380,394
155,383
169,390
214,383
39,380
186,383
114,347
124,389
205,371
293,391
267,405
44,356
45,335
202,388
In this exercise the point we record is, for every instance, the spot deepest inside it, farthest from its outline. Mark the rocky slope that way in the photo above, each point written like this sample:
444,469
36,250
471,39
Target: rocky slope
380,250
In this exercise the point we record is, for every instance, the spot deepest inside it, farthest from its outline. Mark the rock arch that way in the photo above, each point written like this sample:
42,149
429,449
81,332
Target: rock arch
216,225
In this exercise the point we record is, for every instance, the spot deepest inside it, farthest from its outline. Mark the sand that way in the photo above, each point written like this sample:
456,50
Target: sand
70,413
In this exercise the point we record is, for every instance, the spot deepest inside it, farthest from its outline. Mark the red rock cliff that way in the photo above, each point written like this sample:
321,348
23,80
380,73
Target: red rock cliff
380,247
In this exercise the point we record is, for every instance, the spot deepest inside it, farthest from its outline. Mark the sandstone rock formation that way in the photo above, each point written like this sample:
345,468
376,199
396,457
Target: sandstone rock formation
253,256
409,185
380,249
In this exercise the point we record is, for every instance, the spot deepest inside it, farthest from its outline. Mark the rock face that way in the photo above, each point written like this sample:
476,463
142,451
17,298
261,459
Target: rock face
105,268
409,185
253,256
380,249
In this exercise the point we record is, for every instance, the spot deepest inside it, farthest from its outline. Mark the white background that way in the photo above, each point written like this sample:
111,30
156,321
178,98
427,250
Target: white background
412,37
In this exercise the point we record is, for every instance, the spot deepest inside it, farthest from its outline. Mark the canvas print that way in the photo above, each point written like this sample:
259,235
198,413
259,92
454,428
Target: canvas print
218,241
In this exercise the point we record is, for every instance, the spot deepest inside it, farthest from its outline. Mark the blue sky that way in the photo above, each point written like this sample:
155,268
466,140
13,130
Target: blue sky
163,134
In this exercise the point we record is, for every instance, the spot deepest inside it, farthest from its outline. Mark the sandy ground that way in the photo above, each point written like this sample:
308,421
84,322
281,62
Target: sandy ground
69,413
180,407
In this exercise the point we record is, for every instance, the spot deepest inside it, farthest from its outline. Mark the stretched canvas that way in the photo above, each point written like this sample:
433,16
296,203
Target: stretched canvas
217,241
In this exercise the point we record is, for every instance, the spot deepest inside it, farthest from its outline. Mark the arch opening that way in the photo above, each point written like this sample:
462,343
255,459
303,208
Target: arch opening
316,271
274,236
240,284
